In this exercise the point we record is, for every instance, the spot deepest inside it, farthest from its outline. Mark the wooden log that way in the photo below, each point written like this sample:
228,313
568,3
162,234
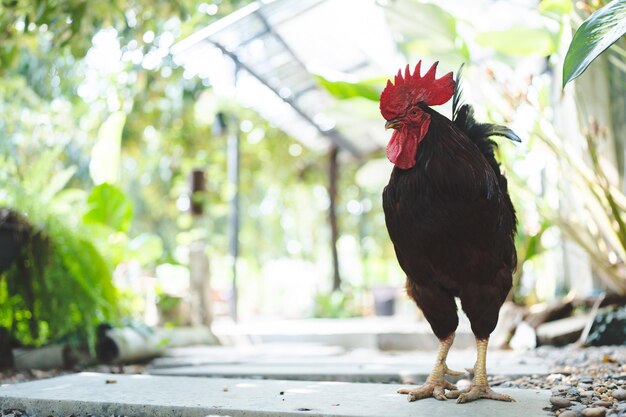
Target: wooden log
509,318
562,332
542,313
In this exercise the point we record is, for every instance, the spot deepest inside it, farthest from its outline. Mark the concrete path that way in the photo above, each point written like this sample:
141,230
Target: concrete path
325,363
384,333
150,396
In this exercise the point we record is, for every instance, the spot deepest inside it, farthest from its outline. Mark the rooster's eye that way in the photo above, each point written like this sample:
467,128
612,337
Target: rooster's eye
414,112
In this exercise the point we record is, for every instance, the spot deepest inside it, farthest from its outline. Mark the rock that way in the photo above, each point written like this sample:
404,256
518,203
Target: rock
594,412
604,404
619,394
560,402
561,388
608,328
561,332
573,392
554,377
524,337
568,413
586,379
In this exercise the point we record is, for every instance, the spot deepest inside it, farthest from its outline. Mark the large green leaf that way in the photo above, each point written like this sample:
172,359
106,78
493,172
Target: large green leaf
106,153
108,205
519,41
593,37
146,248
369,89
559,7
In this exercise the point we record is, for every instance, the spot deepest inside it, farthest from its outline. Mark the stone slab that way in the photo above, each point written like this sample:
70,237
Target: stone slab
203,355
366,372
362,365
385,333
151,396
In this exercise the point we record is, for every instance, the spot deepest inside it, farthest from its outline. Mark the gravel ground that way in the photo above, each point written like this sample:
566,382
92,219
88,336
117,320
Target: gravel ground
585,382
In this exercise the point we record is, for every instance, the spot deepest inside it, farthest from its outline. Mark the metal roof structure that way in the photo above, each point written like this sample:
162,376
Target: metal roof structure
266,56
274,47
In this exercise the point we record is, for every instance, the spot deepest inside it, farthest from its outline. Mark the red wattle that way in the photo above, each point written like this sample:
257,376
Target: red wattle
401,150
403,145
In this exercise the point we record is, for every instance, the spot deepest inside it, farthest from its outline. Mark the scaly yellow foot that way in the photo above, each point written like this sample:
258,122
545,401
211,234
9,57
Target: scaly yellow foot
476,392
479,387
436,385
429,389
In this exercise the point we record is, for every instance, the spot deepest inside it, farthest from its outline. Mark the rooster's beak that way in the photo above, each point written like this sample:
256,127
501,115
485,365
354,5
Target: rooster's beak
392,124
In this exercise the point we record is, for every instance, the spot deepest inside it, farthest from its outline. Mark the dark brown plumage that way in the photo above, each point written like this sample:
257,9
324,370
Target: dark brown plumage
452,222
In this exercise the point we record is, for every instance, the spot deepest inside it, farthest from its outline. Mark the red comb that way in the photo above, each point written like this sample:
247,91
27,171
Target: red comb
413,88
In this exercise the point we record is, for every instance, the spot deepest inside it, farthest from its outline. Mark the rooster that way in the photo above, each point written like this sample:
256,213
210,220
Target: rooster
450,218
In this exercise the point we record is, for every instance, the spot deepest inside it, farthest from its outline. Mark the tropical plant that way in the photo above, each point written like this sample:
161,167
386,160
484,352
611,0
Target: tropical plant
62,285
596,34
600,228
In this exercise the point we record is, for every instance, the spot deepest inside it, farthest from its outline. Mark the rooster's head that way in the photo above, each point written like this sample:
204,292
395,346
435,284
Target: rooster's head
403,105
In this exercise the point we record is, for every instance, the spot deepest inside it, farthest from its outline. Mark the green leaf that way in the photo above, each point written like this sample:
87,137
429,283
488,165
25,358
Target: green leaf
519,41
145,248
108,205
593,37
369,89
57,182
423,29
556,6
105,155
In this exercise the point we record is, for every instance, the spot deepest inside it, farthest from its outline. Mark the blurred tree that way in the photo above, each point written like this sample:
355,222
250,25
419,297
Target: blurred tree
75,75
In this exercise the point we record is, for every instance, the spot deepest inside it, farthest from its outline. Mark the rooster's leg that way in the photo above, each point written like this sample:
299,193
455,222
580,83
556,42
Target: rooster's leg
479,387
436,384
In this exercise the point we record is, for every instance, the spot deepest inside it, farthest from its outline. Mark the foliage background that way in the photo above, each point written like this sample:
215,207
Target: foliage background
91,103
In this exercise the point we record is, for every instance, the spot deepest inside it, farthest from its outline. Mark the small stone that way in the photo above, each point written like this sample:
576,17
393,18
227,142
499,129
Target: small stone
578,407
586,379
573,392
568,413
619,394
594,412
560,402
554,377
605,404
587,393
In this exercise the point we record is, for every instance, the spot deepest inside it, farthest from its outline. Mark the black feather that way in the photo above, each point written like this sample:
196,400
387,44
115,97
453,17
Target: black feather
463,118
458,93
